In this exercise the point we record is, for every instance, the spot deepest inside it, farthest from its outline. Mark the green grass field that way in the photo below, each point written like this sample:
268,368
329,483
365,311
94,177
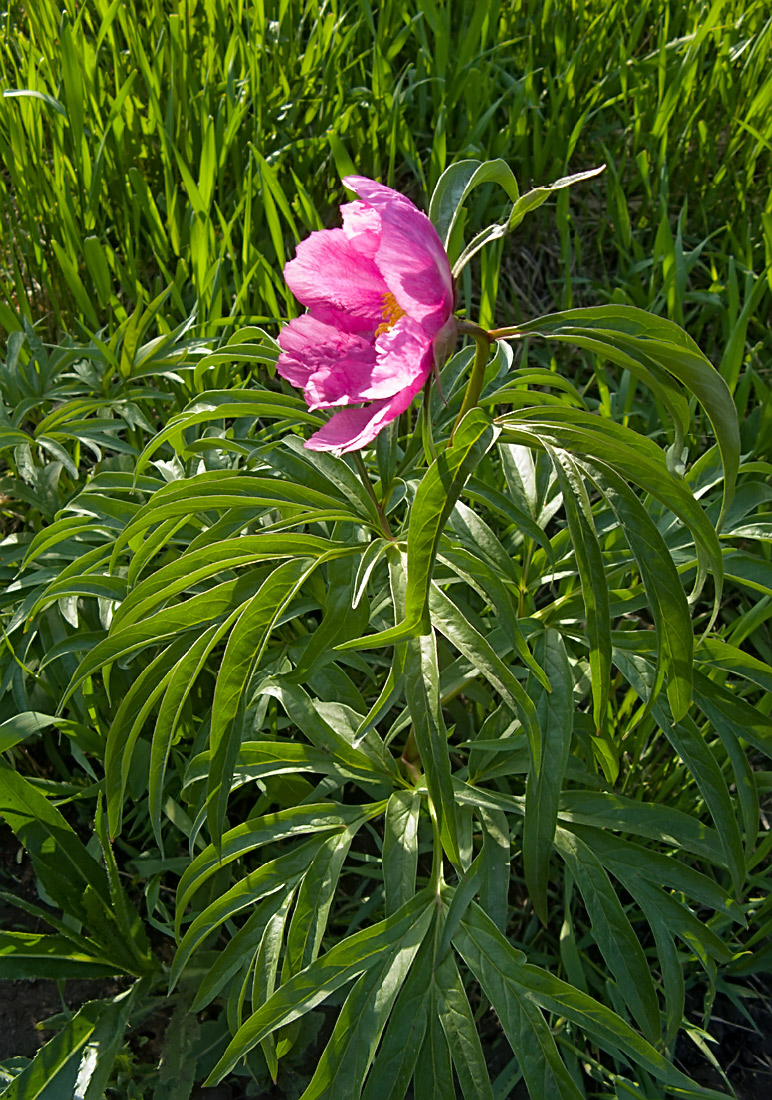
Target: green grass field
159,163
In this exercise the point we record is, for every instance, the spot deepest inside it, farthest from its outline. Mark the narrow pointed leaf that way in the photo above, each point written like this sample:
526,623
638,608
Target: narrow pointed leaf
613,933
346,960
242,654
434,500
545,779
400,849
450,621
422,690
639,333
403,1040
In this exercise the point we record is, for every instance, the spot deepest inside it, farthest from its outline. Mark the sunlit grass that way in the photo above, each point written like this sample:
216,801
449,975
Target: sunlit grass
156,146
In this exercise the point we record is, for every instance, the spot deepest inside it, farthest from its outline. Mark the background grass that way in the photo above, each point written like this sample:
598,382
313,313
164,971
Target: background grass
157,145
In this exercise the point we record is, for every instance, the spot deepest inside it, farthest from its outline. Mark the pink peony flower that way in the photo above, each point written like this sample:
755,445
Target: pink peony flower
380,299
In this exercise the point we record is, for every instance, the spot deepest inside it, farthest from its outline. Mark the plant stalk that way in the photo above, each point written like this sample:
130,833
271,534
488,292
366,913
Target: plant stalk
511,333
362,471
483,340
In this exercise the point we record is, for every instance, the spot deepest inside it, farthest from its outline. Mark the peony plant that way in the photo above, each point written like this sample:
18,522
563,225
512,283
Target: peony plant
401,678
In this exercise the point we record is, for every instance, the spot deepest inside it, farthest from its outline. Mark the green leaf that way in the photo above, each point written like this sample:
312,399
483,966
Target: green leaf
315,898
729,711
400,849
337,473
79,1060
346,960
613,933
555,713
695,752
35,955
749,571
627,333
340,622
496,966
662,823
677,918
196,566
509,982
434,500
227,404
716,653
296,821
634,457
422,691
367,754
508,637
242,654
623,857
239,950
434,1071
667,600
277,875
521,206
130,718
670,967
9,93
96,262
178,687
21,726
347,1057
124,913
217,602
454,186
592,575
450,622
266,966
258,759
403,1040
72,878
461,1032
261,759
390,691
223,490
367,563
495,865
179,1052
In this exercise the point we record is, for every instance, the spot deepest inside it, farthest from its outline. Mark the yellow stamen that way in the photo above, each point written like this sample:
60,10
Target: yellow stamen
391,313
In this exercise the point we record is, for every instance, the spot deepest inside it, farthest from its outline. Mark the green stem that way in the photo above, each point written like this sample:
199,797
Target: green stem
412,772
430,451
483,340
469,328
437,876
410,754
362,470
511,333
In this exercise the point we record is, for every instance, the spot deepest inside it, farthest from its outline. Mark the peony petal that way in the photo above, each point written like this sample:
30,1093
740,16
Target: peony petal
362,226
404,356
329,273
334,367
313,350
352,429
410,258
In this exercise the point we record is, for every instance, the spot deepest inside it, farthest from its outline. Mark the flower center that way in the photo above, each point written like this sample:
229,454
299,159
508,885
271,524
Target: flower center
391,313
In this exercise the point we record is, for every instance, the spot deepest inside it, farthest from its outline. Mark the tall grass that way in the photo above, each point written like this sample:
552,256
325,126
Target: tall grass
156,145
